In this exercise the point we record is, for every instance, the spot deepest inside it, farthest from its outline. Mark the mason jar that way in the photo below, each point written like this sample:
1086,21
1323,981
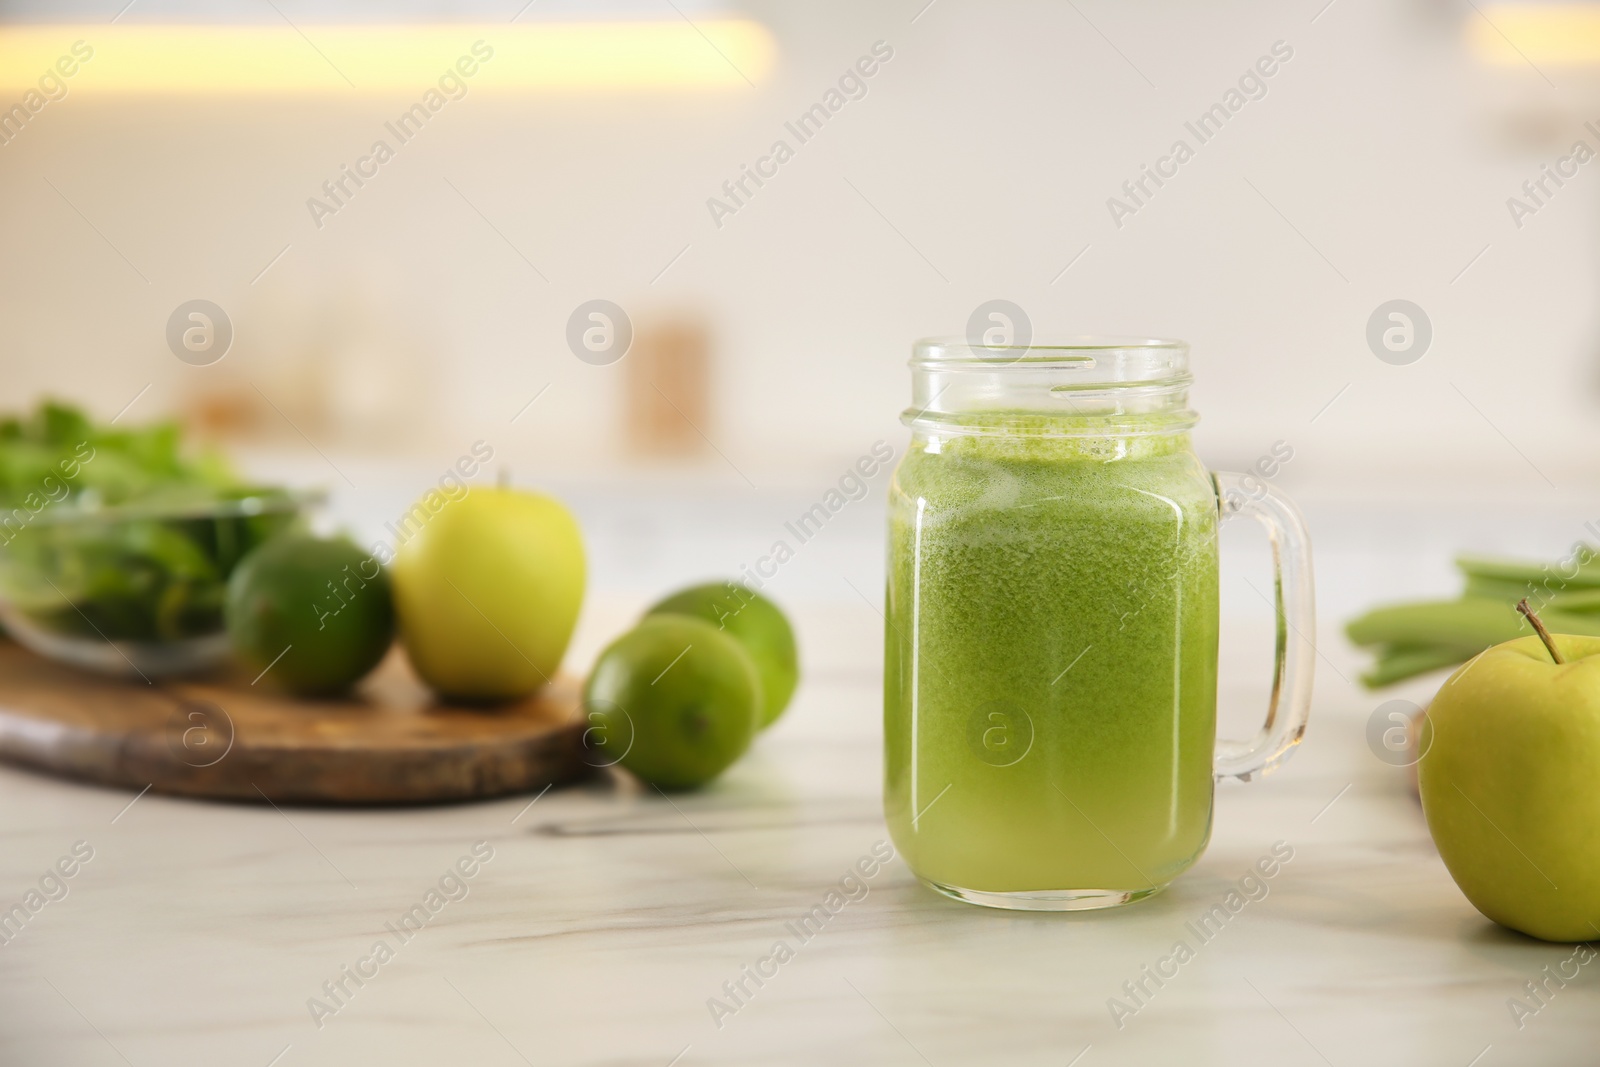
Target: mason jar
1050,667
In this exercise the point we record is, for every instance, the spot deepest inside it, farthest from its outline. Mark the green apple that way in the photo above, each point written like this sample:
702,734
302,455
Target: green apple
1508,780
487,592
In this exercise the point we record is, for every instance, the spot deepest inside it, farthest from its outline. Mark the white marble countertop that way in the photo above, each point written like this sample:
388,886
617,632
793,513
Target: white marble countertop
607,918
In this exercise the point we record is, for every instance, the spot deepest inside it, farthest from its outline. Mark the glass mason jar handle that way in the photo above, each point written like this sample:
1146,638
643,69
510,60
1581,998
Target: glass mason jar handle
1290,703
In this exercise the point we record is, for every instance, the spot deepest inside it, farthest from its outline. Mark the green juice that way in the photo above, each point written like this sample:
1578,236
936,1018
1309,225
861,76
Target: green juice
1050,670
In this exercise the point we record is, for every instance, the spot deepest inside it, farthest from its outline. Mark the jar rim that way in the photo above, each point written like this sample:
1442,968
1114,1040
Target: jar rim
1160,353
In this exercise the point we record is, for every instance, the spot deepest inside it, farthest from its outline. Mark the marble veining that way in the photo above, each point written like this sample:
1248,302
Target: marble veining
613,927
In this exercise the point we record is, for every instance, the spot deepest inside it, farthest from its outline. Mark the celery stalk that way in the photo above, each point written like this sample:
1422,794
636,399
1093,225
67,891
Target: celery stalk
1536,573
1471,623
1573,598
1397,663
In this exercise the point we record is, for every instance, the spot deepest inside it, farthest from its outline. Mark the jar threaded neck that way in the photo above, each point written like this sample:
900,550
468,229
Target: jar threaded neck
1094,387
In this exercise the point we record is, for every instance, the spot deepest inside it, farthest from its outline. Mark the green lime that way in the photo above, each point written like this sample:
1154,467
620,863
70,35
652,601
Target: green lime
674,700
318,612
757,624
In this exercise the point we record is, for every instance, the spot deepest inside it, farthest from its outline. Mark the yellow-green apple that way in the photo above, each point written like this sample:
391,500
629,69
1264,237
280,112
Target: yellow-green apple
1510,783
488,591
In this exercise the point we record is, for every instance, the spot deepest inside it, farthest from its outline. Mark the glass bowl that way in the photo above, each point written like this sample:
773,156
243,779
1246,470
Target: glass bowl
134,589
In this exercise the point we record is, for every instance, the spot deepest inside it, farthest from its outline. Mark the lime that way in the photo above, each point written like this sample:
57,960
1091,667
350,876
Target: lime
674,700
757,624
318,612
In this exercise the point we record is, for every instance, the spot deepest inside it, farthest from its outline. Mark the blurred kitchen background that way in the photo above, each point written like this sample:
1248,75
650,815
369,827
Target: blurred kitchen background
373,345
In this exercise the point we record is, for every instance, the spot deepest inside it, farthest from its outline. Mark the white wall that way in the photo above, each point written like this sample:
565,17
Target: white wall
991,141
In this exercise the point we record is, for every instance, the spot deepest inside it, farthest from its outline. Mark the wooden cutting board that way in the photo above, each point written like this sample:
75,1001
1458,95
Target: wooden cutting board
389,743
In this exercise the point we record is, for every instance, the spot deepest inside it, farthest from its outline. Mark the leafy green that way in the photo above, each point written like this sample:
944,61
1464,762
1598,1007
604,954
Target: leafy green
57,450
120,533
